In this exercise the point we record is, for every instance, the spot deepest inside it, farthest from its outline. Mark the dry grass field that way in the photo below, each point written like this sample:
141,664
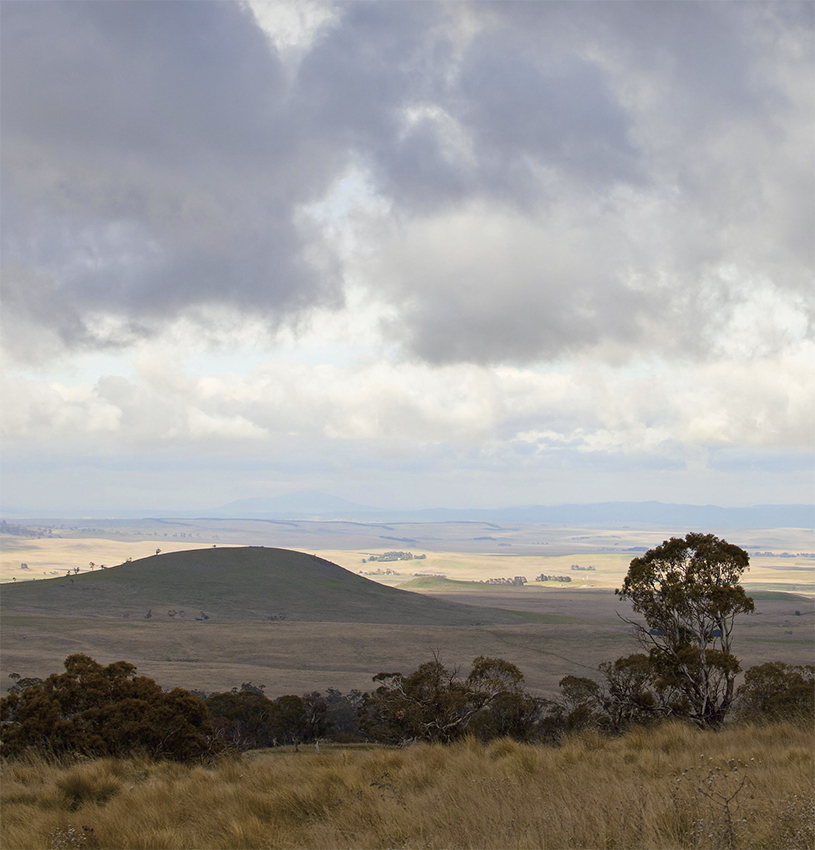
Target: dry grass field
46,558
671,787
296,657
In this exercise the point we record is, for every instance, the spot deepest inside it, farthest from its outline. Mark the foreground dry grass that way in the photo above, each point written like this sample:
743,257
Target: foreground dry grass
674,787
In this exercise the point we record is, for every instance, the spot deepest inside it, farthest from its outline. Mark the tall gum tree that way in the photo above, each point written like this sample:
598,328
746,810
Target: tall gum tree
688,591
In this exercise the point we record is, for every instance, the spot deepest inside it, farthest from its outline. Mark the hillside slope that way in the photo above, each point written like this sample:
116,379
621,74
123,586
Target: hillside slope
237,584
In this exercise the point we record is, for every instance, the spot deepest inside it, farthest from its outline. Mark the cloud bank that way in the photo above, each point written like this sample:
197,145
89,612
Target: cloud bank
554,177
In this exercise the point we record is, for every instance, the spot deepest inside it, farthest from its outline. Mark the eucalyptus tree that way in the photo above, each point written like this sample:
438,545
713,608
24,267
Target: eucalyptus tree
688,591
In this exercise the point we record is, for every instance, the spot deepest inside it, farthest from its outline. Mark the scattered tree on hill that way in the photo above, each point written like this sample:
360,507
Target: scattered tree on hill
249,687
289,721
317,721
22,682
689,594
428,704
506,709
100,711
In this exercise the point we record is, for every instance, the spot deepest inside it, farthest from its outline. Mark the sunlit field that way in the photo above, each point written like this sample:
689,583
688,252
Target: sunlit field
672,787
51,557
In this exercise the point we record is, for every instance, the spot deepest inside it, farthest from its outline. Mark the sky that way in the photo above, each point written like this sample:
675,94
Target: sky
413,254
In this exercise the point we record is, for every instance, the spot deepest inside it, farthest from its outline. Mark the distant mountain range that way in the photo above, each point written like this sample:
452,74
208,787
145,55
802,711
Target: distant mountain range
301,503
315,505
312,504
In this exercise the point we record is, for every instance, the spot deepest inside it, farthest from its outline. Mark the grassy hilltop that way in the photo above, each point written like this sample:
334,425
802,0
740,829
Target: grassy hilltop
246,584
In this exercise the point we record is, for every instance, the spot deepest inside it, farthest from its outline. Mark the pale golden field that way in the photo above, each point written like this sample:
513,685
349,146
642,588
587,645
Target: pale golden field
673,787
460,566
49,557
766,573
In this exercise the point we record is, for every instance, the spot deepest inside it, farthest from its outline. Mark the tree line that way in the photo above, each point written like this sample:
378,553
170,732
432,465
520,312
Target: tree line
686,590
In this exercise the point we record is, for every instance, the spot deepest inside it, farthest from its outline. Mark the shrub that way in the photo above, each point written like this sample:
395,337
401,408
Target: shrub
778,691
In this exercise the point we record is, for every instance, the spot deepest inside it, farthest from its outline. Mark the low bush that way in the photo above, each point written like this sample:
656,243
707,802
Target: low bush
777,691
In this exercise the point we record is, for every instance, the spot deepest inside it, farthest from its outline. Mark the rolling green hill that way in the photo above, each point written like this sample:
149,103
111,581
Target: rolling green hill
237,584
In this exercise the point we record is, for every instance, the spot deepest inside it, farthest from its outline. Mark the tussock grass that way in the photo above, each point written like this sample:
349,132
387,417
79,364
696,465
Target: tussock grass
669,787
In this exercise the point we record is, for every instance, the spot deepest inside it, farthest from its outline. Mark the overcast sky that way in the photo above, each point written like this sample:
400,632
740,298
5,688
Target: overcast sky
409,253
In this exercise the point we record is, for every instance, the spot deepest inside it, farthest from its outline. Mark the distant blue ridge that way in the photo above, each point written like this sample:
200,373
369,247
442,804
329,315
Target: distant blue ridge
313,505
600,513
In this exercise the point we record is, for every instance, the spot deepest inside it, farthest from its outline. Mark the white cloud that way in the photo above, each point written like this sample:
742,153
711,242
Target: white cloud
589,407
293,25
204,426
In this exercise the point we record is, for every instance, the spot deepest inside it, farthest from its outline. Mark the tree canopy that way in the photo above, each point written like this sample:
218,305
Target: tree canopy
688,592
98,711
436,704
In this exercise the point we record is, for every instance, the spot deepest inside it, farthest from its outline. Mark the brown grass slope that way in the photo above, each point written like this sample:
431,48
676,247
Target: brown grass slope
238,584
670,788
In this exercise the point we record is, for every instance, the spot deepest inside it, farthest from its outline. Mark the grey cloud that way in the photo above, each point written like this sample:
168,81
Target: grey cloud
156,155
507,291
562,114
642,140
687,163
151,163
516,100
39,317
359,79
